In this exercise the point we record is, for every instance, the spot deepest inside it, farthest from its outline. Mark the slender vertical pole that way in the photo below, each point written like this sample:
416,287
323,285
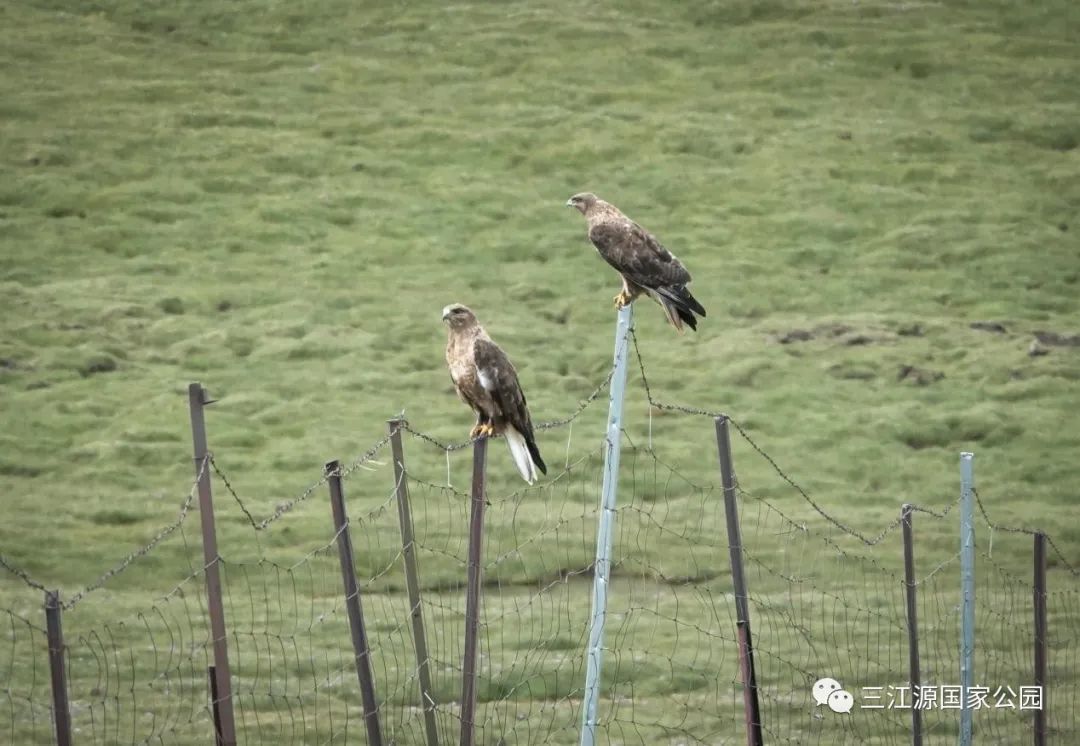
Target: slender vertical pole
353,605
751,707
214,705
478,502
912,621
55,634
197,400
967,582
412,582
1041,636
605,527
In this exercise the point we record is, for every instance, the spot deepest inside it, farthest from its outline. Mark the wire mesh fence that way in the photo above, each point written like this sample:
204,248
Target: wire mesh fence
825,599
27,713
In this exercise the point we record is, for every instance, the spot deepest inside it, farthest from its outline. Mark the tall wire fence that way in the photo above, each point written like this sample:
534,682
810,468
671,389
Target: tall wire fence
826,600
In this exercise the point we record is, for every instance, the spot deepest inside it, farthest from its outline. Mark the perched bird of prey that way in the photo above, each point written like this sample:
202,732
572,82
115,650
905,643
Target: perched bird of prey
485,379
645,265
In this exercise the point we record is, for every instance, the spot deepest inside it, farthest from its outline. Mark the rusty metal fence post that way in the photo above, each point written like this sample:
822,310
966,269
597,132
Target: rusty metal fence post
353,605
412,582
197,399
912,620
1041,637
751,705
477,503
214,705
55,634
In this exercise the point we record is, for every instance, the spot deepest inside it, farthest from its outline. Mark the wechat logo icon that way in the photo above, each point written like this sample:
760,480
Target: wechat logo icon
829,692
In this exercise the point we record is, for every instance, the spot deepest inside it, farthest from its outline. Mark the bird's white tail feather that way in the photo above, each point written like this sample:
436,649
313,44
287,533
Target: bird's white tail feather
520,451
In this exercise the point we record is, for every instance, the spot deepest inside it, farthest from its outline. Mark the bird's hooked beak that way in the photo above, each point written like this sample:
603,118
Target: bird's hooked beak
446,313
570,203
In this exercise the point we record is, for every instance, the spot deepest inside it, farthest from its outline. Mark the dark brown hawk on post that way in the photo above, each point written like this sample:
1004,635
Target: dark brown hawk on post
645,265
485,379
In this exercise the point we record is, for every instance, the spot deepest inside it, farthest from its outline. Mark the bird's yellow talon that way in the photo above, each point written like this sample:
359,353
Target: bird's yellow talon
622,299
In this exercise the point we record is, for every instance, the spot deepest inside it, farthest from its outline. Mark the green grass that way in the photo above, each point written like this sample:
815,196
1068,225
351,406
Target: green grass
278,200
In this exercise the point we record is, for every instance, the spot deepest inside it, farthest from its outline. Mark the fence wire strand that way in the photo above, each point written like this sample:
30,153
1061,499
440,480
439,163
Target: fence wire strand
826,599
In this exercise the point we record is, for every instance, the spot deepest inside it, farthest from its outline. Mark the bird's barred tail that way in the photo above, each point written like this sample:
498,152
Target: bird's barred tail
526,455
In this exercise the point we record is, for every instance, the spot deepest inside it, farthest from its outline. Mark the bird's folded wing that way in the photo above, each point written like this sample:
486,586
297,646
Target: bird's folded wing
498,377
636,253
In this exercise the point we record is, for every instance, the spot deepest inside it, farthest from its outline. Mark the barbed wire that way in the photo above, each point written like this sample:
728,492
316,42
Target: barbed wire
1022,530
163,534
160,536
772,462
528,570
549,425
21,574
288,505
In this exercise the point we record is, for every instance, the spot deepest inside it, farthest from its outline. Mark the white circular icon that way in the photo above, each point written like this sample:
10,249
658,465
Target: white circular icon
841,701
823,688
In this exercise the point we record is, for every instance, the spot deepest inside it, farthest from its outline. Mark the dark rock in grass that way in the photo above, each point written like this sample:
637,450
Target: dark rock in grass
115,518
1063,227
174,306
911,330
919,376
224,306
919,70
989,326
8,364
858,340
97,364
795,335
1058,340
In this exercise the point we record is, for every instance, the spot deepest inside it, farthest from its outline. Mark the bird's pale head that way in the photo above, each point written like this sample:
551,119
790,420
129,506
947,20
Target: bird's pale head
583,201
457,316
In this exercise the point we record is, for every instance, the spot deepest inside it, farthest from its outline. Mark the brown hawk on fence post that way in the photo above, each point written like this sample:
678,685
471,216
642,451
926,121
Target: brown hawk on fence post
485,379
645,265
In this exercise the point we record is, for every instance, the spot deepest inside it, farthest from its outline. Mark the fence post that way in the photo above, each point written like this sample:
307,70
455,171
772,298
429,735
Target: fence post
353,605
967,589
605,527
197,399
477,503
214,705
751,706
1041,637
912,621
55,635
412,582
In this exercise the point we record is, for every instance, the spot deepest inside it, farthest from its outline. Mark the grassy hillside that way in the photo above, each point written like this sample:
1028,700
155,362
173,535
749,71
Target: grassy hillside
878,202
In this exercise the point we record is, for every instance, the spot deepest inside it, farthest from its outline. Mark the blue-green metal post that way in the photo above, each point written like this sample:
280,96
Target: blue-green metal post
967,590
605,528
